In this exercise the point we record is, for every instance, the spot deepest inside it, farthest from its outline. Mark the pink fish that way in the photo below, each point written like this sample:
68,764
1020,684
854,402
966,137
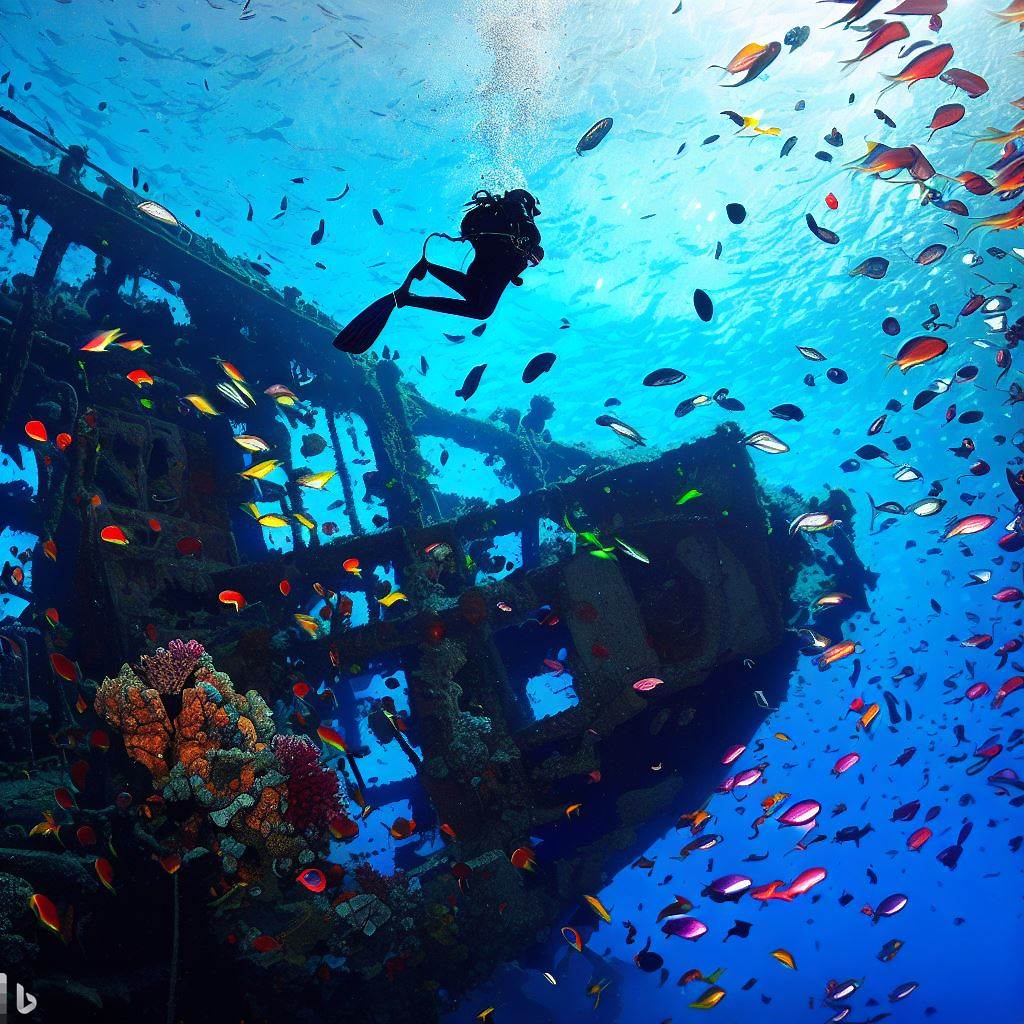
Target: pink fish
1009,595
974,523
804,882
733,753
845,763
1011,685
802,814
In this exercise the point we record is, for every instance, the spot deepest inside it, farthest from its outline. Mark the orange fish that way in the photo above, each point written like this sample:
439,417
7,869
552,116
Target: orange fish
402,828
114,535
50,550
63,441
929,64
918,351
232,598
868,717
744,60
46,912
102,341
170,862
36,431
135,345
352,565
331,737
86,835
139,377
105,872
836,653
64,667
266,944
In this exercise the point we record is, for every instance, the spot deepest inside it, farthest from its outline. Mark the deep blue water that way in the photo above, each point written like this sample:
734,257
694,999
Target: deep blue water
413,107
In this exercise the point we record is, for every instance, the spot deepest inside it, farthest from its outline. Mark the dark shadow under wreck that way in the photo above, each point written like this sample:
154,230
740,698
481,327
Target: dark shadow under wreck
711,616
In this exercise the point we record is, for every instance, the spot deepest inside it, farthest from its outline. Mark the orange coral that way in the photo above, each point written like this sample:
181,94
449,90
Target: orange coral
139,714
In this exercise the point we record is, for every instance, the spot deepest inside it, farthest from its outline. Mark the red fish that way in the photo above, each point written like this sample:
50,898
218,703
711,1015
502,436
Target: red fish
946,116
890,32
972,84
917,351
1011,685
929,64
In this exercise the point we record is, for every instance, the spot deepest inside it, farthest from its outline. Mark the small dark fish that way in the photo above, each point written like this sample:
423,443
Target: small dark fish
647,961
318,236
837,375
377,217
834,138
663,377
537,365
341,195
721,397
823,234
885,118
787,411
594,136
703,305
891,326
471,383
853,834
874,267
710,139
736,213
787,146
796,37
931,254
825,158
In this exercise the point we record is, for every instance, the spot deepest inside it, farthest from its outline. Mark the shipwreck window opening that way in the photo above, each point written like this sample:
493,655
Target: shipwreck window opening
78,266
16,548
466,474
491,559
21,257
357,454
536,659
145,289
556,542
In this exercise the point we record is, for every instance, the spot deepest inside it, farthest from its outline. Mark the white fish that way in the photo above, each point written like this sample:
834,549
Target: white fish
765,441
906,474
158,212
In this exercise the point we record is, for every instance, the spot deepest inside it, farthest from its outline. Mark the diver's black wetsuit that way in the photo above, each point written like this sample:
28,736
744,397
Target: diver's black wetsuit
505,243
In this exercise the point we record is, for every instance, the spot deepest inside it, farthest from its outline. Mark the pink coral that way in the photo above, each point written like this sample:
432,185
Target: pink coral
168,670
314,800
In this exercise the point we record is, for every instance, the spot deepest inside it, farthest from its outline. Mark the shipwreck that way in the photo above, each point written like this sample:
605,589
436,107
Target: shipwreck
169,861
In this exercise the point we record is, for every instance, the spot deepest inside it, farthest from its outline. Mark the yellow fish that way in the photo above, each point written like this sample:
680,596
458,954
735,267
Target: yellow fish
308,623
393,598
596,989
260,469
709,999
202,404
304,520
271,521
785,958
598,908
317,481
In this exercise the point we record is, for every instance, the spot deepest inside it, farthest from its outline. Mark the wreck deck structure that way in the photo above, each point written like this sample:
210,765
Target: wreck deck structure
710,615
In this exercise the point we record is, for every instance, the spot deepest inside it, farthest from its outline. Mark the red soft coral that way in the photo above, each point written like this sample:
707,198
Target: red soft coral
314,798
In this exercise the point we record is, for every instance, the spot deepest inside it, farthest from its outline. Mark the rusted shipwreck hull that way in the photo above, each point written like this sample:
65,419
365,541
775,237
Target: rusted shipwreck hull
711,616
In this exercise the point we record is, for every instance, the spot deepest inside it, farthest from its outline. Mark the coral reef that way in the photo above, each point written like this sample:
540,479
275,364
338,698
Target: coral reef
314,795
215,764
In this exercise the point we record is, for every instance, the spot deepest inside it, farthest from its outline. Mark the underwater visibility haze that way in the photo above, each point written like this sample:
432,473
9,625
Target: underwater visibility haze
511,511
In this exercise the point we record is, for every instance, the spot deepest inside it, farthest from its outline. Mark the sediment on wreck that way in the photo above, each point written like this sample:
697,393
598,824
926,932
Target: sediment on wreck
710,615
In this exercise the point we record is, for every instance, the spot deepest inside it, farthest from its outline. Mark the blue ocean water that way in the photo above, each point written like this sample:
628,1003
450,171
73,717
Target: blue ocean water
411,109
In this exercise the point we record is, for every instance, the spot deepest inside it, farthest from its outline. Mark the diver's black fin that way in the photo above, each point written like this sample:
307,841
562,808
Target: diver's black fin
367,326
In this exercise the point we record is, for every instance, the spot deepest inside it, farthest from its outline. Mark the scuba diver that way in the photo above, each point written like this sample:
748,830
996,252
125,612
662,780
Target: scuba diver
505,242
